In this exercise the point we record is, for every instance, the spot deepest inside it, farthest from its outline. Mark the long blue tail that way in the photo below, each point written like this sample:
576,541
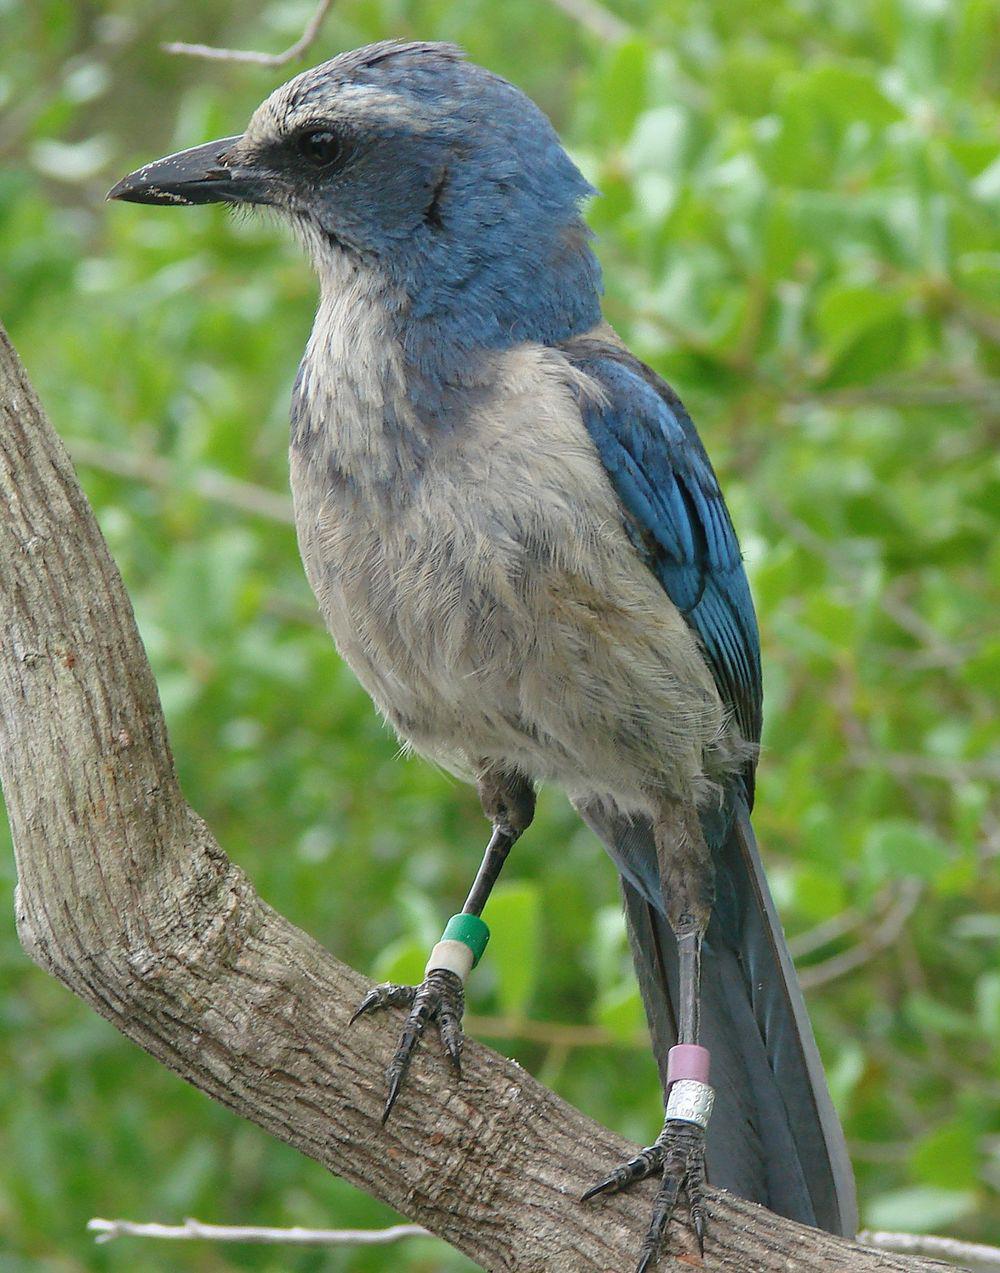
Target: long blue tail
774,1137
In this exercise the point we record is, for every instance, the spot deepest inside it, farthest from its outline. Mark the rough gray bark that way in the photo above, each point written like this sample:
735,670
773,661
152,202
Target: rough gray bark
125,896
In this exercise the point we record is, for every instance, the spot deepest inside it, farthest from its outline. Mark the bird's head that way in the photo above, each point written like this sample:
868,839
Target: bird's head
426,169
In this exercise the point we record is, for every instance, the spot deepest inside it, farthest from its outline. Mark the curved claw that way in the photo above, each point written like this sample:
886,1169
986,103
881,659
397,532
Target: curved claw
663,1209
395,1087
610,1185
637,1168
698,1220
694,1186
450,1025
438,998
679,1152
388,995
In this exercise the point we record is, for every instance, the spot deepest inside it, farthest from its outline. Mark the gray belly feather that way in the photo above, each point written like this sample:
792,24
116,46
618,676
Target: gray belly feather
490,602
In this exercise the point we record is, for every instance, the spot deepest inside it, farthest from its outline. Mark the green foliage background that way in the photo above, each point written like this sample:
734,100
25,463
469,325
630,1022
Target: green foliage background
800,229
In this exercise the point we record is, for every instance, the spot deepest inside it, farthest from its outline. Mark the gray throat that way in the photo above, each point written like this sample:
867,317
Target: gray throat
351,406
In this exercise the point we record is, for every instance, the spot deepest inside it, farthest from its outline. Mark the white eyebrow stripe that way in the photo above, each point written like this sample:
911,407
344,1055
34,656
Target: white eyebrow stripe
346,104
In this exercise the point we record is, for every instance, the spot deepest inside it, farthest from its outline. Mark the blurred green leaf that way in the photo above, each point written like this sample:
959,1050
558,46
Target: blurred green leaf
920,1209
938,1018
894,847
988,1006
875,351
620,1011
403,961
947,1157
845,1073
844,313
621,89
514,916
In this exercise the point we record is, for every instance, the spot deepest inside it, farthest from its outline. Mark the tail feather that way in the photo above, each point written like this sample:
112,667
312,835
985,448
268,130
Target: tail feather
774,1136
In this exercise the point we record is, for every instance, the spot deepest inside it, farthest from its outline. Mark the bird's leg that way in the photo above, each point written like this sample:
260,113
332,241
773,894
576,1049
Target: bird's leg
508,800
678,1153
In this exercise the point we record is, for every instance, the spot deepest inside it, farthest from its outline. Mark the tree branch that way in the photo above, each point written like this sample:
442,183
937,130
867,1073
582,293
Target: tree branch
124,895
296,50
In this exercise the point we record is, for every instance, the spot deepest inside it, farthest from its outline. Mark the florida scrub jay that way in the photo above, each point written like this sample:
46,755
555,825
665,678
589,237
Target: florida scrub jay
520,547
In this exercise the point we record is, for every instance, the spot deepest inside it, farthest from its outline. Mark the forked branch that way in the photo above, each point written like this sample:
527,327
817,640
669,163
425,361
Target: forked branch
124,895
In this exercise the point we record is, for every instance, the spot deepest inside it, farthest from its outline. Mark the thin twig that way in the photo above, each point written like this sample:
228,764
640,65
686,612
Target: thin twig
900,391
904,392
296,50
901,614
927,1244
290,610
553,1033
688,338
210,485
195,1230
596,19
971,769
878,939
827,931
874,1151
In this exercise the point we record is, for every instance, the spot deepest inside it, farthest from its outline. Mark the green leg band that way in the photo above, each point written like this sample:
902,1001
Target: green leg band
471,931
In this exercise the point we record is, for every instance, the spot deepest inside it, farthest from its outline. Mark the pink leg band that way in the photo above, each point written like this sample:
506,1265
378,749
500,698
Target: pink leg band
687,1061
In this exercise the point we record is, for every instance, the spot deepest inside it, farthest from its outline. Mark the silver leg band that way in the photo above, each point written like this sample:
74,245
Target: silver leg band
690,1102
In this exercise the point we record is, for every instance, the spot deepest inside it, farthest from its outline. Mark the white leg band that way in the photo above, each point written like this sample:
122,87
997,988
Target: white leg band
690,1102
454,956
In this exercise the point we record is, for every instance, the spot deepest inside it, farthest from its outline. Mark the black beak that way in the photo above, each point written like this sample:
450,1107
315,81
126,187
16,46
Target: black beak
204,174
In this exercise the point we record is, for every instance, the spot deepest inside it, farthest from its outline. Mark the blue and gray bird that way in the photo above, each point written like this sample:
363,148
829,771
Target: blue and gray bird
519,545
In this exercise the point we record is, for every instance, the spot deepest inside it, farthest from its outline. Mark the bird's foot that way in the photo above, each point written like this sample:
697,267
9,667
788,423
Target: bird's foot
439,998
678,1156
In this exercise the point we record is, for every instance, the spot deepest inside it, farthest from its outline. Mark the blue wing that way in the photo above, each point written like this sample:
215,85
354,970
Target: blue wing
675,515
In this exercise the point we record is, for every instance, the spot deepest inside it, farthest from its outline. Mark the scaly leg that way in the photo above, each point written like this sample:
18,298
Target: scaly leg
678,1153
508,800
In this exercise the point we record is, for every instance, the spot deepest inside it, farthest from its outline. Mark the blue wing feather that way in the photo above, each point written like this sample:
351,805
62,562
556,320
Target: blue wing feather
775,1137
675,515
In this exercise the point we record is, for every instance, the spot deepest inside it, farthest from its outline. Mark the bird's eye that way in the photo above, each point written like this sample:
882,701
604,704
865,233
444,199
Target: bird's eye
321,147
